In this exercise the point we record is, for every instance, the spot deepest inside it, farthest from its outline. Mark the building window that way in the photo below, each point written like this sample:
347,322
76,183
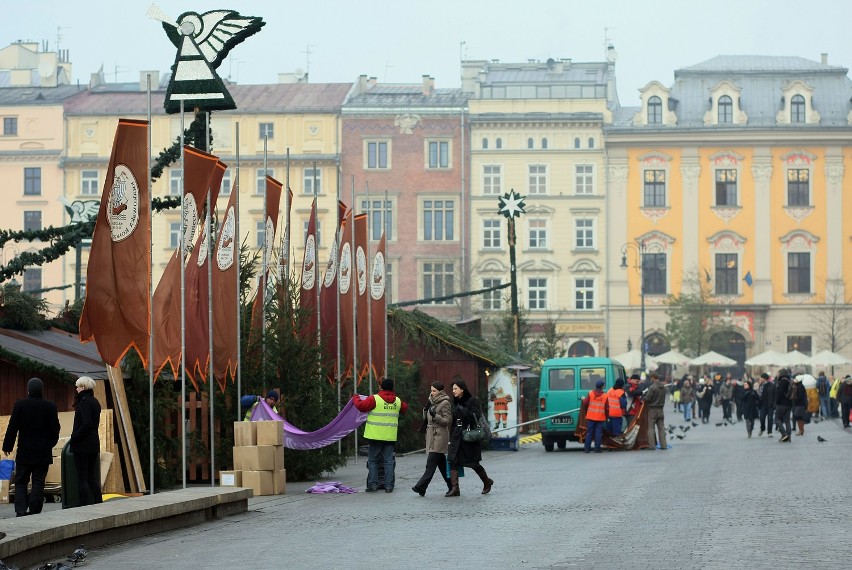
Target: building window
89,182
584,175
798,187
10,126
174,235
797,109
799,272
584,294
499,143
260,231
389,281
591,142
439,154
726,110
537,292
800,343
492,300
654,273
576,142
261,180
655,111
377,154
538,234
438,219
537,179
32,181
32,281
32,220
491,179
543,143
490,234
484,144
266,130
655,188
726,187
381,218
225,188
726,274
584,229
438,281
317,235
174,182
309,176
530,143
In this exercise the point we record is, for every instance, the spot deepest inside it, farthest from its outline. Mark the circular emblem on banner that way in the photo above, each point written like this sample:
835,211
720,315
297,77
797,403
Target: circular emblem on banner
225,247
123,205
377,282
308,278
331,270
269,238
202,245
345,267
361,266
190,221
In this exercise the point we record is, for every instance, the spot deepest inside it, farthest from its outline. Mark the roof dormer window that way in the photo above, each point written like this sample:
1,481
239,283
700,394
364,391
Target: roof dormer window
797,105
797,109
726,110
725,106
655,110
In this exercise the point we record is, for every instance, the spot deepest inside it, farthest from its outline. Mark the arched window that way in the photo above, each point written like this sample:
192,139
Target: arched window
543,143
726,110
484,143
797,109
581,348
591,142
499,143
530,143
655,110
657,344
576,142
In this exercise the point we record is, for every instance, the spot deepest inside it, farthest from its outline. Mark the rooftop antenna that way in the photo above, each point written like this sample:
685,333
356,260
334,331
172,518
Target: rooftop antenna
307,53
59,36
387,66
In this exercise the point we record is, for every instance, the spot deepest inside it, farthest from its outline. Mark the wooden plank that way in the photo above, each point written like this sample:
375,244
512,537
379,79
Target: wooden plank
126,434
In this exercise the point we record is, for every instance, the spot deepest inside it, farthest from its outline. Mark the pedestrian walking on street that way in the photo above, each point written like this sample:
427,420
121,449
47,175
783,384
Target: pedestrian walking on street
616,406
596,405
799,397
85,442
750,403
823,388
35,423
462,453
705,399
844,394
383,410
655,399
726,393
767,404
437,414
687,395
737,396
783,405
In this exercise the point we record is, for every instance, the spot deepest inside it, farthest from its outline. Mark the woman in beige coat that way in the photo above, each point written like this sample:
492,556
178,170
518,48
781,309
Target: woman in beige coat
437,414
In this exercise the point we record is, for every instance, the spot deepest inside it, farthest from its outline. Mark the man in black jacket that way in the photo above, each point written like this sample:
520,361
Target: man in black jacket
35,423
767,404
783,405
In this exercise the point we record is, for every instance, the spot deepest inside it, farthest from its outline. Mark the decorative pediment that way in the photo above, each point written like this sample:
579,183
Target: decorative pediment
726,240
655,159
539,209
491,266
799,240
538,265
798,158
726,159
656,241
585,266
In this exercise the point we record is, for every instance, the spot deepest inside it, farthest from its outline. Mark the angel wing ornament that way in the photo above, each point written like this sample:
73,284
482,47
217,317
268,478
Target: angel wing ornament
203,42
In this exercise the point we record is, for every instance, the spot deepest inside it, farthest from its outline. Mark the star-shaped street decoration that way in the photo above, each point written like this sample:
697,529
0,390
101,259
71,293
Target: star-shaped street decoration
512,205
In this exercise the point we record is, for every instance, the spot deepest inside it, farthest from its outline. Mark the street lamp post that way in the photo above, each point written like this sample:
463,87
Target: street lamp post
511,207
639,250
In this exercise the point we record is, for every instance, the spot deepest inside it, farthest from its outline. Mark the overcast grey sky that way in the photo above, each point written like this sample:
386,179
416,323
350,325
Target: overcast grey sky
398,41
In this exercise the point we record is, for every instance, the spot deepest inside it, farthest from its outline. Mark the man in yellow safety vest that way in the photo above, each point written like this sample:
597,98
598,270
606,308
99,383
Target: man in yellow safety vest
383,410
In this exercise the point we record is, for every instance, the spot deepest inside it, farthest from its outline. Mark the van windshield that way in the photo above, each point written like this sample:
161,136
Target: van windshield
590,376
562,379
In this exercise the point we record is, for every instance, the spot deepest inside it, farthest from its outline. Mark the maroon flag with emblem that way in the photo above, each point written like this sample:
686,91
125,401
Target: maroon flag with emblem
226,259
328,297
198,169
378,311
308,294
362,319
116,312
273,201
347,300
198,292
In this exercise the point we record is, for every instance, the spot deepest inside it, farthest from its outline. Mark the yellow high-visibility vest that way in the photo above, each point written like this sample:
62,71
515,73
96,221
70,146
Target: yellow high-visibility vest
383,420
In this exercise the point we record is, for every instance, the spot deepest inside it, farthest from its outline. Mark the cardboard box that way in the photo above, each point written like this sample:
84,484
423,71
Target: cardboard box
245,433
230,478
270,433
4,491
260,482
254,458
279,457
279,482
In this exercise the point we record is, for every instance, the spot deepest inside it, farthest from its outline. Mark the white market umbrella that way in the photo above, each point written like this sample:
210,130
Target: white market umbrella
672,357
828,358
768,358
713,359
796,358
808,381
633,359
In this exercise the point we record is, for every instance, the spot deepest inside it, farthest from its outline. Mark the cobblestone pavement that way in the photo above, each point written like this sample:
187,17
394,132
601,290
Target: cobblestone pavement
714,500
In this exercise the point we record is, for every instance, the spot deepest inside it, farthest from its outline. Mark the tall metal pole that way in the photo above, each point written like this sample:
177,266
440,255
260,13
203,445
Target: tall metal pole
516,332
237,246
150,301
368,296
209,238
642,349
263,280
317,283
181,250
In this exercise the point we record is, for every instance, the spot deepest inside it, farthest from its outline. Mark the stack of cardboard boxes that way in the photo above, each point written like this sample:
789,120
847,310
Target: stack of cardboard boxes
258,458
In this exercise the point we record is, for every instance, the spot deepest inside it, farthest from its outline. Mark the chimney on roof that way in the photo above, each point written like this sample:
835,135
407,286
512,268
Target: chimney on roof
143,80
824,58
428,85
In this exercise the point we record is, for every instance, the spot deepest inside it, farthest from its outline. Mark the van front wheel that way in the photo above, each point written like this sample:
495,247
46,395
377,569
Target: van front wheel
548,443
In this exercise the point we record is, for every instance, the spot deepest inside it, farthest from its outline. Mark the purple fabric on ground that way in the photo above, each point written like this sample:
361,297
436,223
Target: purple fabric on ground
345,423
330,487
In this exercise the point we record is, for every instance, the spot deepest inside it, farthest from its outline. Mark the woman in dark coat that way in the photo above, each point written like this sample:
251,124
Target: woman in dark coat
466,412
799,396
438,416
85,443
750,405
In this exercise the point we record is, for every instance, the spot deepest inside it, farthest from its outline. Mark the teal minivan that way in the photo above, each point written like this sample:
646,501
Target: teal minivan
564,384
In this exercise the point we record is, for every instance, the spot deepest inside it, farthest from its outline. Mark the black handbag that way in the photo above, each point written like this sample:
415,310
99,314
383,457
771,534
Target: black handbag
474,435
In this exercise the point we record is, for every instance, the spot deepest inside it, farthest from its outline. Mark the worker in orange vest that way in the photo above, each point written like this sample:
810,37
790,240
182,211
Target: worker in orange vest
616,406
596,402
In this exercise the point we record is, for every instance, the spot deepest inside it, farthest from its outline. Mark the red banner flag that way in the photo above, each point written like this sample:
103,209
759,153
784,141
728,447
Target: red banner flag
198,168
347,300
328,297
308,294
378,311
362,320
198,292
116,312
226,259
273,201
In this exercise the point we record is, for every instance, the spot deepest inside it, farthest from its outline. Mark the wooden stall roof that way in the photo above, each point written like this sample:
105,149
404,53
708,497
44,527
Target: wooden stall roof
57,349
